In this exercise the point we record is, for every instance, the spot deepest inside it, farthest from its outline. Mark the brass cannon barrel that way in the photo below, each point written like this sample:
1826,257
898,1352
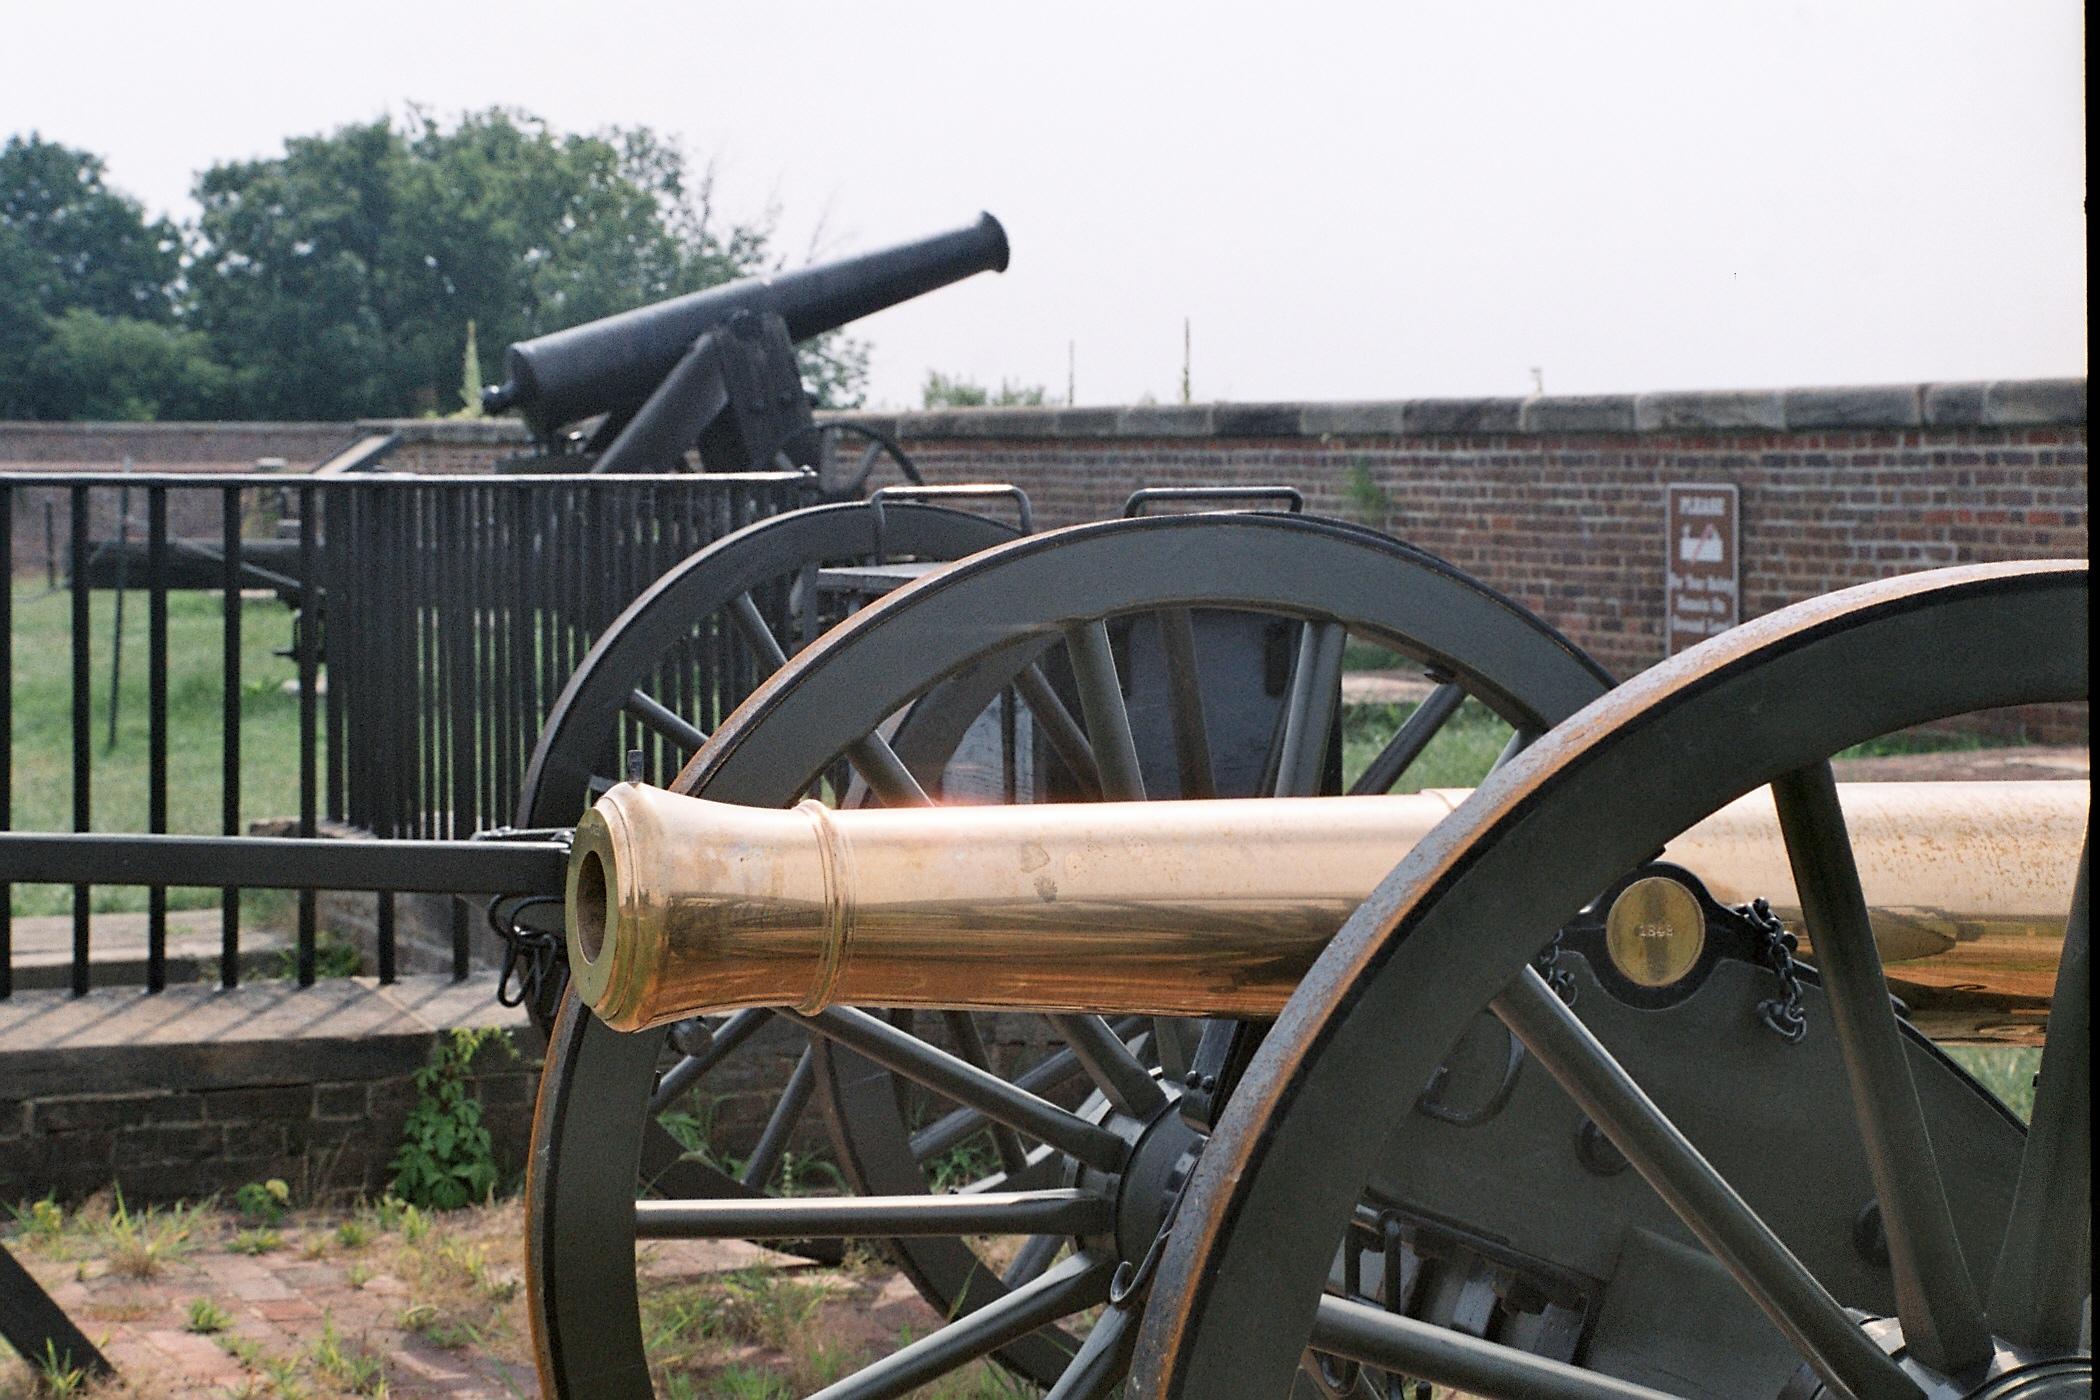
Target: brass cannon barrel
678,905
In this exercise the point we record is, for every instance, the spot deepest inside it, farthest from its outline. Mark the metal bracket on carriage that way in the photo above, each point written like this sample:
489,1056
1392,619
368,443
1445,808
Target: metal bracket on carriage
533,951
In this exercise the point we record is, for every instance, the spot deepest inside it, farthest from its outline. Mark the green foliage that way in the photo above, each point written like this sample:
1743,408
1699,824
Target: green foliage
349,1366
83,244
40,1220
207,1316
334,956
337,278
446,1159
360,255
954,391
256,1242
1368,502
263,1201
470,378
118,367
1460,755
56,1373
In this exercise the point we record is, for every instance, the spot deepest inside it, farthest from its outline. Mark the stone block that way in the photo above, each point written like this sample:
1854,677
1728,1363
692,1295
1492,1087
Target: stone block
1083,422
1256,420
1165,420
1370,418
1954,405
265,1103
1862,406
1726,411
1427,417
2035,403
68,1115
341,1101
1579,413
150,1146
14,1118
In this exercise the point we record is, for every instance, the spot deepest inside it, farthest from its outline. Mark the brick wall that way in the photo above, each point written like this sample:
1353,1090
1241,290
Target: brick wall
1559,502
198,1090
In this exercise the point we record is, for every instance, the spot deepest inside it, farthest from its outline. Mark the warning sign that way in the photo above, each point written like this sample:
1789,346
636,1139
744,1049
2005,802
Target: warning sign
1701,593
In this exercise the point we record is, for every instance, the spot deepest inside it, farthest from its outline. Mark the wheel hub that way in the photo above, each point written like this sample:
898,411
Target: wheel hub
2012,1373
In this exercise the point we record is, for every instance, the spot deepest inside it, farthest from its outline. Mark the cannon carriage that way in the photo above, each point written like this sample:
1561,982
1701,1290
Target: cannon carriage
1622,1156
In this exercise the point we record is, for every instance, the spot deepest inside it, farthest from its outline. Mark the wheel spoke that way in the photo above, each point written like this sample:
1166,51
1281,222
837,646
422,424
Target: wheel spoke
1103,1360
990,1095
773,1140
2045,1270
662,720
1078,1282
1057,1214
1308,720
1101,703
1423,1351
1177,636
952,1127
1775,1279
1115,1071
962,1026
1066,738
1936,1298
1044,1169
1408,741
871,756
732,1033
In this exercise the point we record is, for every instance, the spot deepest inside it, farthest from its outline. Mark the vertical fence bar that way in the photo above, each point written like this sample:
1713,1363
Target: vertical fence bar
310,607
78,530
156,723
343,629
230,504
384,935
7,728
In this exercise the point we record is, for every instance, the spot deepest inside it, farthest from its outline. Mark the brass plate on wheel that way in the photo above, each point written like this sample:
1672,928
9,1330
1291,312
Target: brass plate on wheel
1655,931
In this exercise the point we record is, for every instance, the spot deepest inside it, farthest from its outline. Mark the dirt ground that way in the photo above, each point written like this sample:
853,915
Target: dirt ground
200,1303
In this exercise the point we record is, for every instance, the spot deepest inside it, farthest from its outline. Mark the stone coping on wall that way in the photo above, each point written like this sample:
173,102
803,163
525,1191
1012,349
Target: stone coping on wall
2002,403
1996,403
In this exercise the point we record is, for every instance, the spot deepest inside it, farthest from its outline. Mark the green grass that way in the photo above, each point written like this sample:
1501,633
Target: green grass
2006,1070
1906,741
43,736
1459,756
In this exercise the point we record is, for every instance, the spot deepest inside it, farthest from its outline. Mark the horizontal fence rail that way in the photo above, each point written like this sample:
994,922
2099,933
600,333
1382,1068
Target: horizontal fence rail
367,654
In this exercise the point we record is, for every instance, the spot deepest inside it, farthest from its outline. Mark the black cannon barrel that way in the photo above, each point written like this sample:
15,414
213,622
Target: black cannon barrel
612,364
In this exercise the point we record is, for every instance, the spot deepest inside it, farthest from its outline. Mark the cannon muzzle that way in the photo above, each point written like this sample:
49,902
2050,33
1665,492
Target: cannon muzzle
678,905
611,365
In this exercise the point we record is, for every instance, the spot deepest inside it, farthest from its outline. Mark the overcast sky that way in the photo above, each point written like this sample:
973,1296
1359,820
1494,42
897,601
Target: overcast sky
1375,201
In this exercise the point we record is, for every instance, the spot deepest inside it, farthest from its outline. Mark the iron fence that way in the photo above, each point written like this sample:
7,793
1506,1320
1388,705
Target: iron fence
428,624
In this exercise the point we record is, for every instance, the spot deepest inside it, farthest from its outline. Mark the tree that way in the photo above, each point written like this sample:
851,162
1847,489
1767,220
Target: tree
946,391
120,367
338,277
85,245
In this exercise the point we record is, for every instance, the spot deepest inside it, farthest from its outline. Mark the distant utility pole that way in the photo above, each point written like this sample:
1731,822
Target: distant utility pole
1538,380
1071,373
1185,359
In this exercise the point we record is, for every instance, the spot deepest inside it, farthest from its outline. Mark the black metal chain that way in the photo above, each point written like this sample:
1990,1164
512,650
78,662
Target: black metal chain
1783,1013
531,956
1557,977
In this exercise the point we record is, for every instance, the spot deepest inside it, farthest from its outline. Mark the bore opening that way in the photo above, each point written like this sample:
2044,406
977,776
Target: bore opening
592,907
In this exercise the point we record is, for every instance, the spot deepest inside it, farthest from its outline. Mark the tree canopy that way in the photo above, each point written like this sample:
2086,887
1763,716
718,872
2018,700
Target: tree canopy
338,278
